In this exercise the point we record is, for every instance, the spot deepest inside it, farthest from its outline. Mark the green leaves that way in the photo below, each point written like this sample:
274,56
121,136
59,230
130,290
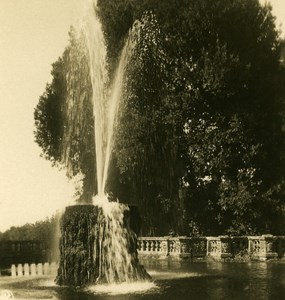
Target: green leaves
200,130
64,115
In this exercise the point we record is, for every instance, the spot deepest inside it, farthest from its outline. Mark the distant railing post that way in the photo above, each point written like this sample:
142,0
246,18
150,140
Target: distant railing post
13,271
185,247
39,269
19,270
270,249
256,247
46,269
174,246
26,270
225,246
222,247
33,270
214,247
164,247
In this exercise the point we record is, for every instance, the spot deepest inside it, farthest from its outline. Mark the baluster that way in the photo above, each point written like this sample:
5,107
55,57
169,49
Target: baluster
13,271
170,246
46,269
146,246
26,270
40,269
20,270
158,246
150,245
154,246
33,270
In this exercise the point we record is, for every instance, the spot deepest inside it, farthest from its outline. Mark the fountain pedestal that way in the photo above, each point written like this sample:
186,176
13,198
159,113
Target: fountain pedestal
82,260
77,265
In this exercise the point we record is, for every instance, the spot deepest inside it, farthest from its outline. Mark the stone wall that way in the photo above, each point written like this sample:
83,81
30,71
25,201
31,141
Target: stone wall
220,248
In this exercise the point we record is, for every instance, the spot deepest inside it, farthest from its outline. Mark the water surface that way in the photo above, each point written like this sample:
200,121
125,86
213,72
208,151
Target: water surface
171,280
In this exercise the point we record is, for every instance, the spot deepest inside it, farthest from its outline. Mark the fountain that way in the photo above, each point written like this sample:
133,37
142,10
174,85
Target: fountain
98,241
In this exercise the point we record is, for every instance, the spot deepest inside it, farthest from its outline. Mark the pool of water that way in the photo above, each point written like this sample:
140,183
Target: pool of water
171,280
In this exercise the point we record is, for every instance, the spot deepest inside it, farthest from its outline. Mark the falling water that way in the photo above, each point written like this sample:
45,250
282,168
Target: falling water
115,243
117,246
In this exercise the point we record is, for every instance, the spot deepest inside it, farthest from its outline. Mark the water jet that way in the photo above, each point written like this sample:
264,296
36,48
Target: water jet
98,241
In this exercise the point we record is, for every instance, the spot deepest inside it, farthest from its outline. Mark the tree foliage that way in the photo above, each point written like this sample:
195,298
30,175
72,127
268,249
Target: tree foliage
45,231
200,134
64,116
39,231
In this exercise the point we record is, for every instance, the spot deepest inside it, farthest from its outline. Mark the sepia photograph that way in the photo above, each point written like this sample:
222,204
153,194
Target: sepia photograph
142,149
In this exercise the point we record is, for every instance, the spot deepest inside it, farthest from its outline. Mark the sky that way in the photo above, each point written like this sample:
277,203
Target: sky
33,34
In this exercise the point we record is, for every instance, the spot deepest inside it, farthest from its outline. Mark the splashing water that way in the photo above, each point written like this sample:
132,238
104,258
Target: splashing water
117,245
114,242
140,287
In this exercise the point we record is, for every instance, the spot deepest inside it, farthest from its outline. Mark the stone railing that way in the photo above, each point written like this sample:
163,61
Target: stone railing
222,247
33,269
173,246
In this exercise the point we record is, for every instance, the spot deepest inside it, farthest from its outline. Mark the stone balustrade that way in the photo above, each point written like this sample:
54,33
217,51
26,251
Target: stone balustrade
173,246
222,247
39,269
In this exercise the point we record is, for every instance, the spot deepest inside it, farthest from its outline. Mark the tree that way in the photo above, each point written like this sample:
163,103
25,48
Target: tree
236,173
64,116
39,231
222,105
200,134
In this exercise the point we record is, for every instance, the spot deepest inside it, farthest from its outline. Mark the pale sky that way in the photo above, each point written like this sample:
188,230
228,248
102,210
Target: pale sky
33,34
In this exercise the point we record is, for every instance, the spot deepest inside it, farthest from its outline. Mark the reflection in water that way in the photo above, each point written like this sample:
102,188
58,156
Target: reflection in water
125,288
172,280
160,275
